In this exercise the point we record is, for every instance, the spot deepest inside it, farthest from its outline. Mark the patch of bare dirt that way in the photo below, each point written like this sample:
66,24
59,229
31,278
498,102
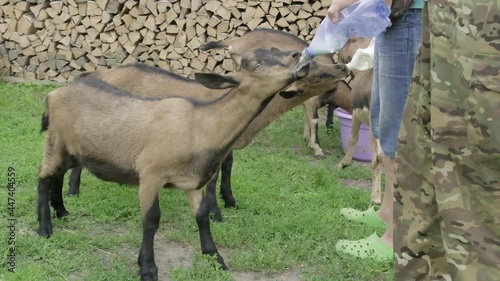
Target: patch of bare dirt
290,275
176,254
169,254
172,254
357,184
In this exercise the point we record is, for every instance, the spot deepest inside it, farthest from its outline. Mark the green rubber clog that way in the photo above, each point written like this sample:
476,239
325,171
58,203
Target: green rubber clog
368,217
371,247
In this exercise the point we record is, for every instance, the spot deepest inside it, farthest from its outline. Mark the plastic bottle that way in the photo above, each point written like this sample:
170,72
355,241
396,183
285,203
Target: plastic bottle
365,18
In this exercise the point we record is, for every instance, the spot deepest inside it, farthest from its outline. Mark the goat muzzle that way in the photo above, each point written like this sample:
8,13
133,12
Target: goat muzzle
301,71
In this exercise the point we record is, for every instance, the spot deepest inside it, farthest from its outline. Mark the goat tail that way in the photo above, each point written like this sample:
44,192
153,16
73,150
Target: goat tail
212,45
45,121
45,118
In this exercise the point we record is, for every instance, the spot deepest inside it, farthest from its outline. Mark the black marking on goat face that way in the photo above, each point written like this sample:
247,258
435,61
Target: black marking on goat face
317,75
323,75
108,172
319,72
264,58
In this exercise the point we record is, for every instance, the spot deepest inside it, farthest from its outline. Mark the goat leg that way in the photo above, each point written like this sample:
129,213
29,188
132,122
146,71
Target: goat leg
355,126
311,127
199,206
74,180
329,118
44,219
307,117
151,221
313,139
225,188
211,196
56,199
50,184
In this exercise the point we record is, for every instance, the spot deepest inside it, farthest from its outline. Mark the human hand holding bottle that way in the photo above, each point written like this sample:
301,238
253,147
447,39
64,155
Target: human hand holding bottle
363,18
337,5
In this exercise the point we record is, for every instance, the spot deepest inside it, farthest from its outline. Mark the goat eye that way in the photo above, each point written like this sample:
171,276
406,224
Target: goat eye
317,79
257,66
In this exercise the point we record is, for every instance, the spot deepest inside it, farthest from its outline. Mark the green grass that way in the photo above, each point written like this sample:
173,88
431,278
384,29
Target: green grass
288,217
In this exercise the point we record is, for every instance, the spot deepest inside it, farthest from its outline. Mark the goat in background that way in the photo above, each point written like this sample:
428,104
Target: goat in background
359,54
361,87
340,95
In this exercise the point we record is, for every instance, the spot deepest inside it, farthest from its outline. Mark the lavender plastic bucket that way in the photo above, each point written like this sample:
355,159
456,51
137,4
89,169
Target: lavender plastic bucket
362,150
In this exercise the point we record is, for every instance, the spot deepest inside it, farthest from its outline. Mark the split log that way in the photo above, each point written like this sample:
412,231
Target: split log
60,38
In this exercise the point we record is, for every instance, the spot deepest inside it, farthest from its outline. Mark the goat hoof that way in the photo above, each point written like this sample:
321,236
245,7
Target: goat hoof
149,277
342,165
216,216
220,260
149,273
45,231
62,213
319,155
73,193
230,203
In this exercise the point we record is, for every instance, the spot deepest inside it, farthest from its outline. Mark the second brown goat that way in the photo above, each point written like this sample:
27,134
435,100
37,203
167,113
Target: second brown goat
322,78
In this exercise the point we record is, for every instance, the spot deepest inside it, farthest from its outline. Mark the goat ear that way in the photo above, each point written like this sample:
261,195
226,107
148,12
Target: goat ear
289,94
216,81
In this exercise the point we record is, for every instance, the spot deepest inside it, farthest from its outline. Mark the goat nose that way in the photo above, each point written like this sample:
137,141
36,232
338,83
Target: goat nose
295,55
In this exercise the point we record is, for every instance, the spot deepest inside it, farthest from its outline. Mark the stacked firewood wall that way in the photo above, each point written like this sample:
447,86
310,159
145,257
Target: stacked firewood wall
58,40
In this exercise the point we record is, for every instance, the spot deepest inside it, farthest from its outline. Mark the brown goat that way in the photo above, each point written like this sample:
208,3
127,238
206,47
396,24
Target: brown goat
340,97
359,52
322,78
156,142
361,87
359,92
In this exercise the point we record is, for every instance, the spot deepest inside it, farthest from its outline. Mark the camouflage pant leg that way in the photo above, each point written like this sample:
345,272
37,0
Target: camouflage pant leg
448,158
415,208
